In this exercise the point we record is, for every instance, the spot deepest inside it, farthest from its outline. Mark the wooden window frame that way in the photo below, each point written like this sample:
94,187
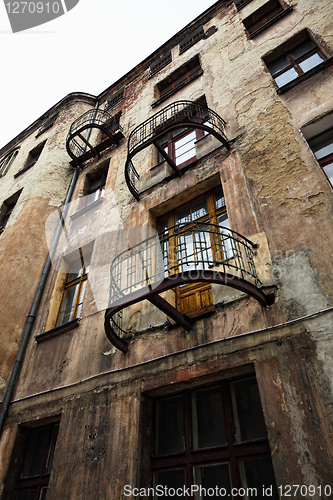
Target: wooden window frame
211,217
178,79
325,160
40,481
264,17
285,50
79,282
233,452
170,144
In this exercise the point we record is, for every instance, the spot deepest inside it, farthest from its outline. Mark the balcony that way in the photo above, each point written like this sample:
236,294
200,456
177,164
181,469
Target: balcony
79,146
190,253
181,114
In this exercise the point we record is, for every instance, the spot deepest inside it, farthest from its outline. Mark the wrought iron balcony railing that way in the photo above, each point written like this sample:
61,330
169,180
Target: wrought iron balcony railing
199,252
179,114
78,146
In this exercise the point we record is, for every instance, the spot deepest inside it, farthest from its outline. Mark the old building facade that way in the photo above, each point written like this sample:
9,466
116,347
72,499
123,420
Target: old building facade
167,271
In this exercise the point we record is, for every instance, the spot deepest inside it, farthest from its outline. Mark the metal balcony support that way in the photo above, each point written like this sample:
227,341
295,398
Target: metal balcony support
78,147
191,253
179,114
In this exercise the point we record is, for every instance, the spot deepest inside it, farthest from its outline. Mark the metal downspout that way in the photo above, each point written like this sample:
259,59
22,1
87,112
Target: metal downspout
35,305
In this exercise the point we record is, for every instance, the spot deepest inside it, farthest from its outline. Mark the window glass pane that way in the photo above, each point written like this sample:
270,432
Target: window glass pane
75,270
302,49
170,479
328,169
185,148
52,448
226,237
43,494
259,474
248,415
210,477
183,214
208,421
185,252
27,495
68,305
199,208
79,307
286,77
181,79
38,443
219,198
278,65
311,62
322,146
203,247
169,417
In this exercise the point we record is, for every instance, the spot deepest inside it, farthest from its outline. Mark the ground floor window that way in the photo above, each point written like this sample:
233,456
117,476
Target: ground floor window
212,440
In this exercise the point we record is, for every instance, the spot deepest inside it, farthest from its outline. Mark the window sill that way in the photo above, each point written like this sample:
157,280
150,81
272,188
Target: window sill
87,208
270,22
59,330
24,169
325,64
173,91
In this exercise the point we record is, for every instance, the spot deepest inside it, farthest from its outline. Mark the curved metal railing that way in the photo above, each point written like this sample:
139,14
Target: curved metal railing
177,114
182,254
92,118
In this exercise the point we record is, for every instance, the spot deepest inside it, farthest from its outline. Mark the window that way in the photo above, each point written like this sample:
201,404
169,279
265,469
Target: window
36,465
159,63
191,39
7,209
180,77
322,147
96,188
296,59
115,98
47,125
241,3
264,17
179,144
6,163
75,286
194,236
212,437
32,158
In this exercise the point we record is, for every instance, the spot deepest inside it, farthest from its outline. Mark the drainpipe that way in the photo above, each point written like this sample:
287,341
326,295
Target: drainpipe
35,305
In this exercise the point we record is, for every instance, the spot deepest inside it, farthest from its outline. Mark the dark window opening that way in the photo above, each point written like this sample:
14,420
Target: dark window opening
294,59
7,162
322,147
95,188
191,39
32,158
212,437
7,209
159,64
38,453
241,3
115,99
47,125
179,78
269,13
